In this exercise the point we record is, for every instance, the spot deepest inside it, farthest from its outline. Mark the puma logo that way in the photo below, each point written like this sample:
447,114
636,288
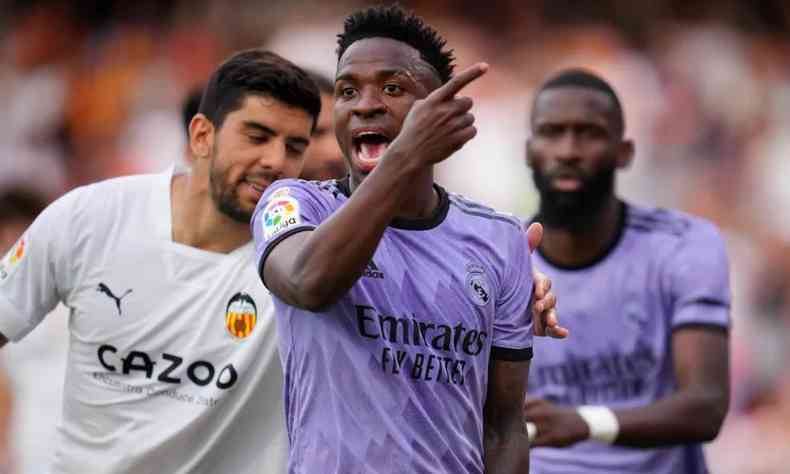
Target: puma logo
102,288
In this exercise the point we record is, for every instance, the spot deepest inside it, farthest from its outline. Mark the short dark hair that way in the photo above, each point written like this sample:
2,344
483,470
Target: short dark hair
583,78
258,72
20,202
396,23
190,107
324,83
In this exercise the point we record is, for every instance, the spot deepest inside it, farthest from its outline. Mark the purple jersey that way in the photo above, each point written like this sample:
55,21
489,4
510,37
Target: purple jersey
666,270
393,377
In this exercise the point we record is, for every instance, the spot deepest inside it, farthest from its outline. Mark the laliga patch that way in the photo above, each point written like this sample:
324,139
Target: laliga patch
280,214
12,259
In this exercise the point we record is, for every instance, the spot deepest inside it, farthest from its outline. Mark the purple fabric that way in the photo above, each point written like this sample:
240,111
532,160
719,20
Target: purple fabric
393,377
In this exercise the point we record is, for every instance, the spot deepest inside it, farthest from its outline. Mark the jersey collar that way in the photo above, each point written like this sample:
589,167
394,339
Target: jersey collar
427,223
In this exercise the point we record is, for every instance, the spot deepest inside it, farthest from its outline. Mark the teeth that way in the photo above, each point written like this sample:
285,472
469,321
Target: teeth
256,187
372,151
365,134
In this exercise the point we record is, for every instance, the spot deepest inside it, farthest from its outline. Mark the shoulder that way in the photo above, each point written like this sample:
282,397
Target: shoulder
331,190
96,197
679,228
484,215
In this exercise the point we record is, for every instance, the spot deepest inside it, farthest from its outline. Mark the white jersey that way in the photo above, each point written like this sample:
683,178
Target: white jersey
173,363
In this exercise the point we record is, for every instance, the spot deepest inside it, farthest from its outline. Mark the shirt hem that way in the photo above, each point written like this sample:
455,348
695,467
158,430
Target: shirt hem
506,353
271,245
13,326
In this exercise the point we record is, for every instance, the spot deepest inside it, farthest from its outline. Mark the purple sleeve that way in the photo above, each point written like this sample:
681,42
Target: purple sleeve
512,338
699,279
287,207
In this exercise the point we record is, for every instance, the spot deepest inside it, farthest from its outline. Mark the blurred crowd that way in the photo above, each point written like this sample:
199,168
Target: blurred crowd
95,89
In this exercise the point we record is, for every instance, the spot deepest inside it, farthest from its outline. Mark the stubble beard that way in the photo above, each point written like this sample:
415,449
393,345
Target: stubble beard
226,200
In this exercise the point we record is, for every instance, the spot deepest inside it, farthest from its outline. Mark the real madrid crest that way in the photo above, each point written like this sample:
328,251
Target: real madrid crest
241,315
477,286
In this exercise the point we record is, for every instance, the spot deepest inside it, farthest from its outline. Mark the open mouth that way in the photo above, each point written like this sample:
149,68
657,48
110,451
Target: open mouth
368,147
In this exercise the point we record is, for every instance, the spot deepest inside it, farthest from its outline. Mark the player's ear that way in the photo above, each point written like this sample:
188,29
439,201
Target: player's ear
201,136
625,153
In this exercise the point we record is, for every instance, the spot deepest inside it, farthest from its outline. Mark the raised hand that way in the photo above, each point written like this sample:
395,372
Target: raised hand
544,315
439,125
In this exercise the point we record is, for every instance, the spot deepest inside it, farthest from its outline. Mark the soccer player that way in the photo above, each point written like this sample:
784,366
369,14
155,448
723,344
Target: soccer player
402,309
323,158
648,367
172,362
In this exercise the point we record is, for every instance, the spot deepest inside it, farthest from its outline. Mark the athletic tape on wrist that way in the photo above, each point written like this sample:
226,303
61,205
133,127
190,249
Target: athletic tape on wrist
602,421
532,430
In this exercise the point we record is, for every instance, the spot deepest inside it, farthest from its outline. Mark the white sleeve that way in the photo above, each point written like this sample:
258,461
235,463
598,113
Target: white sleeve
34,274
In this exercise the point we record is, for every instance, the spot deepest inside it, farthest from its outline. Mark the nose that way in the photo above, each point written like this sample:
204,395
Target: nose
567,147
369,103
273,159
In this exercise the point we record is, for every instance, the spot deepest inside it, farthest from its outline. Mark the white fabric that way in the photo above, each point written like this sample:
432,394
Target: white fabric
149,383
36,369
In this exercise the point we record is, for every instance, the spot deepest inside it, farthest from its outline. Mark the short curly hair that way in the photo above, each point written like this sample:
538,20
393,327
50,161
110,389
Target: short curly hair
396,23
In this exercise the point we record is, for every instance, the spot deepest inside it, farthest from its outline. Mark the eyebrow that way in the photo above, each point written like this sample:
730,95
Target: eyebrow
249,124
384,73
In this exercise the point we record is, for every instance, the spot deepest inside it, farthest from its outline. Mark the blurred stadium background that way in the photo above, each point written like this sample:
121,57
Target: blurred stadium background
93,89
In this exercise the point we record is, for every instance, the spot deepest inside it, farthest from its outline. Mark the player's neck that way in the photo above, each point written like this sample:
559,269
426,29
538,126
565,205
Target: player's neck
422,203
198,223
581,246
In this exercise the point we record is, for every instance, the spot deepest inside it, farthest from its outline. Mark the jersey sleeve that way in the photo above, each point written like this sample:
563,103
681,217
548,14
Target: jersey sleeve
512,333
34,274
286,208
699,279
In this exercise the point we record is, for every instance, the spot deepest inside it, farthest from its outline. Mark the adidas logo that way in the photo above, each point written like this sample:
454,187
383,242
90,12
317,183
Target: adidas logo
372,271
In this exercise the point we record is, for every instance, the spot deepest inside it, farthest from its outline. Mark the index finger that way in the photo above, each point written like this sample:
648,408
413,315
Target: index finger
454,85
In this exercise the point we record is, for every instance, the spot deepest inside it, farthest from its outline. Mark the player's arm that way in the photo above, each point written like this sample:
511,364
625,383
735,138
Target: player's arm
36,272
698,280
694,412
312,270
505,438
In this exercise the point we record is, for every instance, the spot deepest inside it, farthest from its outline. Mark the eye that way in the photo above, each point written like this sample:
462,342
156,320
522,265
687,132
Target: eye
259,139
392,89
348,92
593,132
296,150
549,130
